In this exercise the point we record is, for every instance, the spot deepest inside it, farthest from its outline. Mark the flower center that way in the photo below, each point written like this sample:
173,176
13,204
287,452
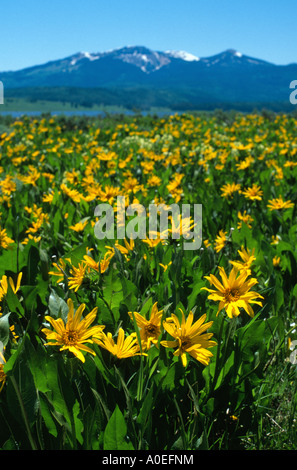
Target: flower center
70,338
151,330
231,295
2,375
185,342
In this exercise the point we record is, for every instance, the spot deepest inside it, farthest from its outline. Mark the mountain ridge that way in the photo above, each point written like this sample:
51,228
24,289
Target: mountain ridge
227,77
178,54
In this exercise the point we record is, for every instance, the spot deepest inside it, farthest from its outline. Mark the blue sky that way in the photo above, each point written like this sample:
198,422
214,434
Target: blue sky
34,32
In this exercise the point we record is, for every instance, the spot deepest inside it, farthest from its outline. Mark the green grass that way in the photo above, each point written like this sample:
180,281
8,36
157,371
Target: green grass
43,106
276,405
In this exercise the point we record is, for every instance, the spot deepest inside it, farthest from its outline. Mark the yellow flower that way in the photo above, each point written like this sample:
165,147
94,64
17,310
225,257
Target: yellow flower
149,330
8,185
276,261
246,218
5,241
131,185
278,204
123,348
229,189
31,237
104,264
3,286
234,292
233,418
75,333
77,278
165,266
173,187
125,250
152,242
290,164
61,266
253,193
275,239
154,181
245,163
189,338
72,193
220,241
14,335
15,287
181,226
91,263
32,176
79,227
48,197
72,176
247,260
109,193
101,266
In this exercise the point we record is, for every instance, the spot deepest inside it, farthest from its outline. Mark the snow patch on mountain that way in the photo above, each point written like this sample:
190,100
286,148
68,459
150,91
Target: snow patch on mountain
147,61
183,55
90,56
83,55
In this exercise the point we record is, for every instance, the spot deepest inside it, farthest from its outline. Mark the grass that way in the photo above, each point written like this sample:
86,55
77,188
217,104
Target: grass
24,105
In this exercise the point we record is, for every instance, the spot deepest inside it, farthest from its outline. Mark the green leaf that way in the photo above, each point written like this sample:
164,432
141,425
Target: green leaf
77,254
47,417
77,422
57,306
9,260
115,433
145,416
32,265
202,442
129,294
192,299
13,302
22,396
113,293
4,329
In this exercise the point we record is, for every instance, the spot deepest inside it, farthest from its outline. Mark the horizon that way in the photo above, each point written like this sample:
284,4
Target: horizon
36,33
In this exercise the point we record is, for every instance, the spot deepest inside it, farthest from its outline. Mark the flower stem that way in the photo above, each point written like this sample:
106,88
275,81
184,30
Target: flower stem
219,340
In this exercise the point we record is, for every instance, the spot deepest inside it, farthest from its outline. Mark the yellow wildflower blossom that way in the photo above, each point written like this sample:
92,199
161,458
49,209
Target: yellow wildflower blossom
234,292
75,333
189,338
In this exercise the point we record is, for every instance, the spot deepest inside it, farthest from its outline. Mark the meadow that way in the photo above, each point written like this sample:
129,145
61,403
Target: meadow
138,344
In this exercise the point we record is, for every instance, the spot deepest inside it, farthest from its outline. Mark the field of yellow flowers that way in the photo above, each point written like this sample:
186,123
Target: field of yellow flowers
138,344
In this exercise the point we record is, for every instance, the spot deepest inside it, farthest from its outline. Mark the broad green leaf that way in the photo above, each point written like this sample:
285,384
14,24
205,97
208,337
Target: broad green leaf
4,329
22,397
115,434
113,292
57,306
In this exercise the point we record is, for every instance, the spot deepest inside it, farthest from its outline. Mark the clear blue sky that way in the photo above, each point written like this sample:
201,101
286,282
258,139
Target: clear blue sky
36,31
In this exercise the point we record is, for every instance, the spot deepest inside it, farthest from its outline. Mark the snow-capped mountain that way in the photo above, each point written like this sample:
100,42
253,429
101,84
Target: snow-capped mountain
229,76
232,57
145,59
188,57
149,61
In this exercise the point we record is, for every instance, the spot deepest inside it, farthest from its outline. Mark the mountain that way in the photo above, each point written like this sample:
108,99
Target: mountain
138,76
126,66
